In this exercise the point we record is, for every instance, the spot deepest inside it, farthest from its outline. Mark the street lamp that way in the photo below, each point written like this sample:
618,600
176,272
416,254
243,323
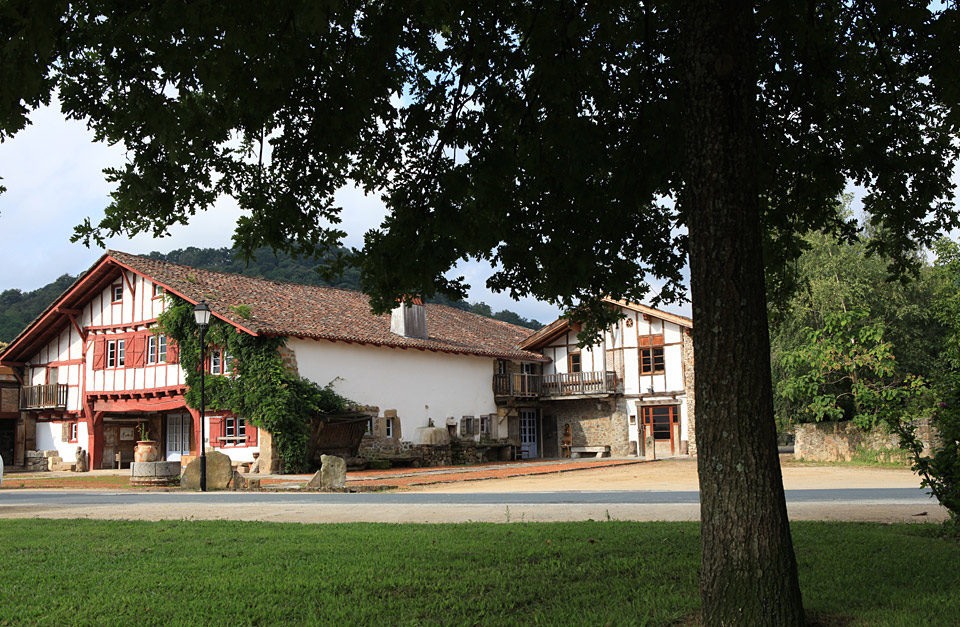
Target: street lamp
201,314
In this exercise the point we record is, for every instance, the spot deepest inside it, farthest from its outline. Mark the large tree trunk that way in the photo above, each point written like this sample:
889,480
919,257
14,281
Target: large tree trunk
749,573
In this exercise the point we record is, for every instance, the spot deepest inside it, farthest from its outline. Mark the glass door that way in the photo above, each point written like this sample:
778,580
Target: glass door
528,433
178,436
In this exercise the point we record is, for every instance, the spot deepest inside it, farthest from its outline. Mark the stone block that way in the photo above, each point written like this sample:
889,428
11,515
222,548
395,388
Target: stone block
50,453
333,472
219,472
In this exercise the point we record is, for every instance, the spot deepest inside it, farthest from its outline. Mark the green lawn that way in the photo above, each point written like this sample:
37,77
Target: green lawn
618,573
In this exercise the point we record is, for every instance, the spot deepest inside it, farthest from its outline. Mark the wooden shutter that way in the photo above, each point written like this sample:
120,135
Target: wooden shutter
99,354
65,432
216,431
173,351
136,351
251,433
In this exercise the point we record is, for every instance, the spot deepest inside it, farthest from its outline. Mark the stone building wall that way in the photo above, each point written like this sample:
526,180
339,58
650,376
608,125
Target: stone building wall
594,422
689,387
842,441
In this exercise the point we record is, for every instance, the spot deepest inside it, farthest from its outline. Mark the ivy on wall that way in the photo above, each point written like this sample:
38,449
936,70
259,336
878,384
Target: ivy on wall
260,388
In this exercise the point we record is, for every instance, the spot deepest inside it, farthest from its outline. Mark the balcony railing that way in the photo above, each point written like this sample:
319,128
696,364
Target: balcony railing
51,396
555,385
517,385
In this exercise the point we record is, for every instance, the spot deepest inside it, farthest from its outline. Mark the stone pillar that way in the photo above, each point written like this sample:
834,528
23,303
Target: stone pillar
269,459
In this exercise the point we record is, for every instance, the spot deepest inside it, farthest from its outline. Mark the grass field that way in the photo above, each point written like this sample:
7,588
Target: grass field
67,572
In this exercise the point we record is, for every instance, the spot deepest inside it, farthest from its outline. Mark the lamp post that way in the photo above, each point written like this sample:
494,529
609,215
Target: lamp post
201,314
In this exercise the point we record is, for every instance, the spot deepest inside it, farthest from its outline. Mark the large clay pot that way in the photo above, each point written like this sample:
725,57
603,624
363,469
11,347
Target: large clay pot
147,451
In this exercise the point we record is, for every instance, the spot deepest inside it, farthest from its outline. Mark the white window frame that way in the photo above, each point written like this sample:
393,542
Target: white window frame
389,427
232,429
116,353
216,361
156,349
74,432
116,293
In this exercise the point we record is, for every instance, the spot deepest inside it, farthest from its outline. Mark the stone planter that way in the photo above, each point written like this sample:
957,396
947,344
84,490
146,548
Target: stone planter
147,451
154,473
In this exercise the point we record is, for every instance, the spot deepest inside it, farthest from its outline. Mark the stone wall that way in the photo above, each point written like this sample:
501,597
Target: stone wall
594,422
842,441
688,384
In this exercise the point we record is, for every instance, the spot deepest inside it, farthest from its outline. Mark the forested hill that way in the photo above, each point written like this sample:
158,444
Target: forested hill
18,309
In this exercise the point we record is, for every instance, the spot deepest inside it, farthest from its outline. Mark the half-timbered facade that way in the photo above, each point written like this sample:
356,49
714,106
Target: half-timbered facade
95,373
608,397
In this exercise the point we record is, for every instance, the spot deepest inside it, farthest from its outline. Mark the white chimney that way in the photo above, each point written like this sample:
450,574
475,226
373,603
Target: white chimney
409,319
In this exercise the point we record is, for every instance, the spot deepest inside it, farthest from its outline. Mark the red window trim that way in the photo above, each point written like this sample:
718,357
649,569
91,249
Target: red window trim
74,431
113,293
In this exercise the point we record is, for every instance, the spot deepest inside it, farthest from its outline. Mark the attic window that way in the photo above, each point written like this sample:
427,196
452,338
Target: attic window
117,292
157,290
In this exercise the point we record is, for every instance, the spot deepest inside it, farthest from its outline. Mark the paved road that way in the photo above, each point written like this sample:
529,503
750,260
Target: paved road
873,504
86,498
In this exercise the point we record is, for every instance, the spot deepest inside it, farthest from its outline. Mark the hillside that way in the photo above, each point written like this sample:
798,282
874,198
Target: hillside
18,309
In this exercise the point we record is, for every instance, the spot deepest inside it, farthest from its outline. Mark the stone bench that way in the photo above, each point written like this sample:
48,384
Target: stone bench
599,451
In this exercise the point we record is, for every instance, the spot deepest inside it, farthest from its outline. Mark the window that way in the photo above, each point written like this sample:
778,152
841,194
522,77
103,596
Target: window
389,425
369,429
157,349
468,426
73,432
116,353
651,360
234,430
528,367
157,290
484,425
117,292
216,361
501,366
221,362
573,362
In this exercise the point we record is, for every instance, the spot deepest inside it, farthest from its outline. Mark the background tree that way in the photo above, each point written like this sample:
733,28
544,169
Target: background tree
545,138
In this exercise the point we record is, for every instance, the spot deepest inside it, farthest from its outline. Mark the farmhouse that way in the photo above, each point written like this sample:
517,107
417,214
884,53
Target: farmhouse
93,371
439,384
635,385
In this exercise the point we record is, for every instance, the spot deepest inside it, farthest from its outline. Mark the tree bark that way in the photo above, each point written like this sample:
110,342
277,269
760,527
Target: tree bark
748,571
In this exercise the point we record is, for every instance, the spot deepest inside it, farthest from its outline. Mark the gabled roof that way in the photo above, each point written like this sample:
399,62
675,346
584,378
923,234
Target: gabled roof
289,309
561,325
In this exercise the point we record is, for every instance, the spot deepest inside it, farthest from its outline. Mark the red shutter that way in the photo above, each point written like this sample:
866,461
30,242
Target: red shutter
136,357
216,431
173,351
99,354
251,433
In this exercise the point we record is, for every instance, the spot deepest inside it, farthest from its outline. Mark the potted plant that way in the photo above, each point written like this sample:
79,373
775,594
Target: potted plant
147,450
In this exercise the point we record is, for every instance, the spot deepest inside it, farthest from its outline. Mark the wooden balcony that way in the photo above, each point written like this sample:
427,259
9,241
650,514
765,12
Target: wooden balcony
51,396
556,385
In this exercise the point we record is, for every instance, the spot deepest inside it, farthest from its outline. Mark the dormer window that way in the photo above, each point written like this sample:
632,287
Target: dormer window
117,292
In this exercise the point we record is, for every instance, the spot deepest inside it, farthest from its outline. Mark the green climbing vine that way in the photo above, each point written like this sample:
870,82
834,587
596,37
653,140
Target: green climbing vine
260,388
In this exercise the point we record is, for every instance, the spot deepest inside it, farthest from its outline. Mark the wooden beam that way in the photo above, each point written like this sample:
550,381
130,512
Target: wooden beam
67,311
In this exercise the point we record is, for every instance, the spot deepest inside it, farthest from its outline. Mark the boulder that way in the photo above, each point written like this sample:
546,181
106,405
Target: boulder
333,472
219,472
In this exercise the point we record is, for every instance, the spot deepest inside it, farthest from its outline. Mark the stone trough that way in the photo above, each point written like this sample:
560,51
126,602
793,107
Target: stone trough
154,473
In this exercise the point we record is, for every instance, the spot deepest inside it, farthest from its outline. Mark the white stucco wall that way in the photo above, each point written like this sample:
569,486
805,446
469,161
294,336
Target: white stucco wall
419,385
48,438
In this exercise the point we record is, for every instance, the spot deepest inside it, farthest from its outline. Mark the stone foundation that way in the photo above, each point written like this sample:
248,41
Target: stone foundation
593,422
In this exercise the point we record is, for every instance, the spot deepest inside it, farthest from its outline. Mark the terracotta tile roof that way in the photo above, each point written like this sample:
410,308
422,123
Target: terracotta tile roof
328,313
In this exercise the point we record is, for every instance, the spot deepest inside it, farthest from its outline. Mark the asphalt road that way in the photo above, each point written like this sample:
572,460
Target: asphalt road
126,498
